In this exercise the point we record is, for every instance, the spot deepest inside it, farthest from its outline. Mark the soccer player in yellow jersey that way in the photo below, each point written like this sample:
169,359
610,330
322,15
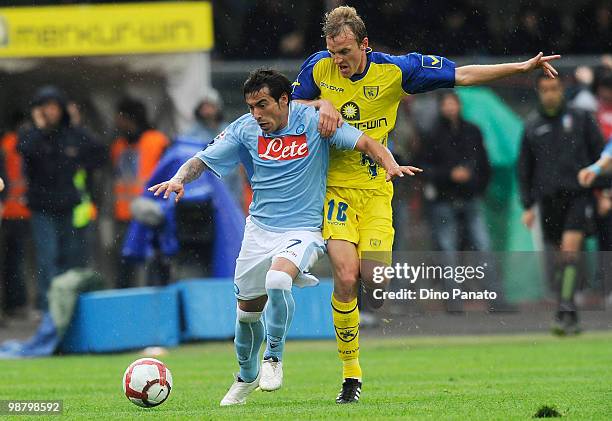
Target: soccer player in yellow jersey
349,81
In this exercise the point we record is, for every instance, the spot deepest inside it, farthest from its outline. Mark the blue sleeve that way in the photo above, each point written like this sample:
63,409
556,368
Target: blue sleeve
223,153
305,87
608,149
423,73
346,137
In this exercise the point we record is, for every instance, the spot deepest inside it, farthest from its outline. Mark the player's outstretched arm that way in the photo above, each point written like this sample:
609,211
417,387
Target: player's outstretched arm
330,119
383,157
189,171
477,74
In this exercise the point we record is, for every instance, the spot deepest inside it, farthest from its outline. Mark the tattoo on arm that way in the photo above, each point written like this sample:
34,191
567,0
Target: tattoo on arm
190,170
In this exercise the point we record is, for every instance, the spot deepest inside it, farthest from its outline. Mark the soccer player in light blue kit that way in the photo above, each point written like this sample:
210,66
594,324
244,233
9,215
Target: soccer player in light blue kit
282,238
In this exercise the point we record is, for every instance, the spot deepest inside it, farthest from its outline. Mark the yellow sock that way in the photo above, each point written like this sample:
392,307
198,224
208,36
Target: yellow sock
346,325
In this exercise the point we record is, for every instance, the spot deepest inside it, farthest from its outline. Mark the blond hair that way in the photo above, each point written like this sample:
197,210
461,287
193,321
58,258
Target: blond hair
343,17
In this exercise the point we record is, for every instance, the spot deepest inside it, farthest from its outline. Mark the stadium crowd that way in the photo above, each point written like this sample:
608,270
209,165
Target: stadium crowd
467,27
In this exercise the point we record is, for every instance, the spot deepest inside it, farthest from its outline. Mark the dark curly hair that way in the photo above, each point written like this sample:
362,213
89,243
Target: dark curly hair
277,83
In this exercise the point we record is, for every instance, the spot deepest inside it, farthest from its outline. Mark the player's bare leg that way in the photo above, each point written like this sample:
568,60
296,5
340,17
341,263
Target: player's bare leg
279,315
345,264
249,337
369,286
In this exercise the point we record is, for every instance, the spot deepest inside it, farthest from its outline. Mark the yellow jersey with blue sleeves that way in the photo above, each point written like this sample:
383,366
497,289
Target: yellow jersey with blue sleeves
369,102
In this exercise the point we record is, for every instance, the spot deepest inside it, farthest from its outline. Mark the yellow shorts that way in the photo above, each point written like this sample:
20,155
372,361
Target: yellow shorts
363,217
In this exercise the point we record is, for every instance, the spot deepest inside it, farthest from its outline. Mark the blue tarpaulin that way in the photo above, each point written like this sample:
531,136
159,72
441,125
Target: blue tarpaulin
228,218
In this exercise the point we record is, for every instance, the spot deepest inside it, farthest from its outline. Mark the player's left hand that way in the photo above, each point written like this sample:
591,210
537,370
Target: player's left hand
586,177
400,170
542,61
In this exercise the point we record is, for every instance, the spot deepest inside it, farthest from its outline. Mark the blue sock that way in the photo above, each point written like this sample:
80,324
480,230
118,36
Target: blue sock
250,334
279,313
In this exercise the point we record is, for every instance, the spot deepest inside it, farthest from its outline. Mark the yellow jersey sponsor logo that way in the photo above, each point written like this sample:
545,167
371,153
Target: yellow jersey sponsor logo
370,124
350,111
372,166
331,87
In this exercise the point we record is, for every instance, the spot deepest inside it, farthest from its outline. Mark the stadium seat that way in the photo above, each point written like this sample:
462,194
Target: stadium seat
117,320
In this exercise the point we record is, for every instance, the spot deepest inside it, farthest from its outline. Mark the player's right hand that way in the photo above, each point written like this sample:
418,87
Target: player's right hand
528,218
586,177
168,187
329,118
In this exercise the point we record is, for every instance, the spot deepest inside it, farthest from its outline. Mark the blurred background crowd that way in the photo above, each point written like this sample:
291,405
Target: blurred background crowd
80,142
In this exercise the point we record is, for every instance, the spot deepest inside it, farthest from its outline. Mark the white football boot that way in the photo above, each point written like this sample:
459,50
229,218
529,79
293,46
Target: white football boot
271,375
238,392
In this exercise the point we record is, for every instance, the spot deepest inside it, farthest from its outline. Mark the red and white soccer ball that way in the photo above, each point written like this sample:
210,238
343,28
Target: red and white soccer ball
147,382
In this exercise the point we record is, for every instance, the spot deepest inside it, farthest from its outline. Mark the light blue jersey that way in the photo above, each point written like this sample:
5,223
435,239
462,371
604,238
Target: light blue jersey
608,149
289,167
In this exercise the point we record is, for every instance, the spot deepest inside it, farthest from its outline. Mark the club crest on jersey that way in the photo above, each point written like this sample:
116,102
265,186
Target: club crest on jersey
350,111
347,334
282,148
370,92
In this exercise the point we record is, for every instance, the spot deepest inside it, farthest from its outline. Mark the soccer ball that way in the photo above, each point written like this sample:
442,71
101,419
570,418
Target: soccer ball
147,382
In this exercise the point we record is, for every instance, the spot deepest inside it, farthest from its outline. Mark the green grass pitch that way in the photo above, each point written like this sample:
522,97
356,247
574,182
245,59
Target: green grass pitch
461,378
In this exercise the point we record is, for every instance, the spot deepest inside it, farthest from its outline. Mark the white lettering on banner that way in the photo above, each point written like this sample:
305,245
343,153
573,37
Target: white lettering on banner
282,148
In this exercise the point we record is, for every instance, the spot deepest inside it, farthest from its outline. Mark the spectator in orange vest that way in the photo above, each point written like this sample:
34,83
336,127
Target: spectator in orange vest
135,154
15,224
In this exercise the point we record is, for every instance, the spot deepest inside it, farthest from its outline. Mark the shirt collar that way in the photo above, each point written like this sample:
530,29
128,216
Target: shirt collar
356,77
